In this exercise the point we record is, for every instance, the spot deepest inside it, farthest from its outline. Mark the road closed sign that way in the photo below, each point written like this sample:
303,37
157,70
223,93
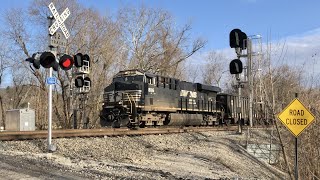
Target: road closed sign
296,117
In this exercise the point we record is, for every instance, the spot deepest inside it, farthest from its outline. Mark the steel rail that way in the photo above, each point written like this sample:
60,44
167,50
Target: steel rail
69,133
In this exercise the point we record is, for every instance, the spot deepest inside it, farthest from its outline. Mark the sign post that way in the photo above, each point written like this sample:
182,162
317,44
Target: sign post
55,40
296,117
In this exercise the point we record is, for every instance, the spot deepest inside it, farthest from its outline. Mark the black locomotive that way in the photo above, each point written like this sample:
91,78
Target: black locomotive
135,98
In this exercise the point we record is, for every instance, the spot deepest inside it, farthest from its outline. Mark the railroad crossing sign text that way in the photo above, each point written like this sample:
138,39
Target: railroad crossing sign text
296,117
59,23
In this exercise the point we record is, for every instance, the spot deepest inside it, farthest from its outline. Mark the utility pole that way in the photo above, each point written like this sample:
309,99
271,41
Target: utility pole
238,51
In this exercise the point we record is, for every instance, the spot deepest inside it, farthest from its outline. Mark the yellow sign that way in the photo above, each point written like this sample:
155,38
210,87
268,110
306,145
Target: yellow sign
296,117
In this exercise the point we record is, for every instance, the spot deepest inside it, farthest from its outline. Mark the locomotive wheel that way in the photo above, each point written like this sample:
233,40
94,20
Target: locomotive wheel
115,124
142,124
103,121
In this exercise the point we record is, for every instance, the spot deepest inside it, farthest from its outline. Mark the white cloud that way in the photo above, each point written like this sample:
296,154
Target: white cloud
300,51
303,50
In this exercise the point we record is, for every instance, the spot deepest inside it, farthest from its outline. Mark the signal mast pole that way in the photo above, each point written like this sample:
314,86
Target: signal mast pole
51,147
238,51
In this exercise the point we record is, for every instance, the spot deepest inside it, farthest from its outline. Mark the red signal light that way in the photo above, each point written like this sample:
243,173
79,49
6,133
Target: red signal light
66,62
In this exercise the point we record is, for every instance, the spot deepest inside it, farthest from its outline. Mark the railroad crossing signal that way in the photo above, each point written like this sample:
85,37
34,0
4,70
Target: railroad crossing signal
48,60
296,117
59,23
66,62
82,81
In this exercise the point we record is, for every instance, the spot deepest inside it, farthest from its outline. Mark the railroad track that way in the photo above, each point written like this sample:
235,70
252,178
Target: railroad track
69,133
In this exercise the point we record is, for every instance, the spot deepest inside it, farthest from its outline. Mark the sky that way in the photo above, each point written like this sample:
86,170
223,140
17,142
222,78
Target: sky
214,19
293,22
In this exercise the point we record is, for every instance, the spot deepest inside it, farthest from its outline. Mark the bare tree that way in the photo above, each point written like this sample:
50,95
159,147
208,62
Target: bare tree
214,68
153,42
280,83
4,65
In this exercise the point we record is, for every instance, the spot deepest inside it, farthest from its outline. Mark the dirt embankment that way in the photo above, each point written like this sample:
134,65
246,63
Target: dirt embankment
206,155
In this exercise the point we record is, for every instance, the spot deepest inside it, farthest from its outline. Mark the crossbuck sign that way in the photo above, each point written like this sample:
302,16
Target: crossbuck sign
59,23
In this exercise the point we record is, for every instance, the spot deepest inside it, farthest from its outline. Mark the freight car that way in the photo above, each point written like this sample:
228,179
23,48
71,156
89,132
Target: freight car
228,106
135,98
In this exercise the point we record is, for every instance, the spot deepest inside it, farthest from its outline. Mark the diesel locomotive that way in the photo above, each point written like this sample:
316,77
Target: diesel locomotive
137,98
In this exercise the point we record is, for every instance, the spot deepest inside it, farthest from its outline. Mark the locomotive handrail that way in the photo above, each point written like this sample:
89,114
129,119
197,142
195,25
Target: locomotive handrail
131,101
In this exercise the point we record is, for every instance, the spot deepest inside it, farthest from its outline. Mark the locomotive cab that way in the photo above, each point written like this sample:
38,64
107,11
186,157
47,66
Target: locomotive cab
123,98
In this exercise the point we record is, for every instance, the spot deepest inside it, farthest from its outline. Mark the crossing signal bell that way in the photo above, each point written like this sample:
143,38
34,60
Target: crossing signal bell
35,60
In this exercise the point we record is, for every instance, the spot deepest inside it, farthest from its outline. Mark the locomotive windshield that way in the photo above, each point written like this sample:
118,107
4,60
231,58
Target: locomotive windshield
128,79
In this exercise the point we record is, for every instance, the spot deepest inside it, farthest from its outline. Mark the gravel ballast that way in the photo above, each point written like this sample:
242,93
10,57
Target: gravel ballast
205,155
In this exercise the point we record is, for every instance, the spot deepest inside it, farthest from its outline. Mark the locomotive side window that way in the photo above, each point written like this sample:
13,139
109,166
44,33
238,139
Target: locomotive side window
166,81
151,80
151,101
162,82
157,81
